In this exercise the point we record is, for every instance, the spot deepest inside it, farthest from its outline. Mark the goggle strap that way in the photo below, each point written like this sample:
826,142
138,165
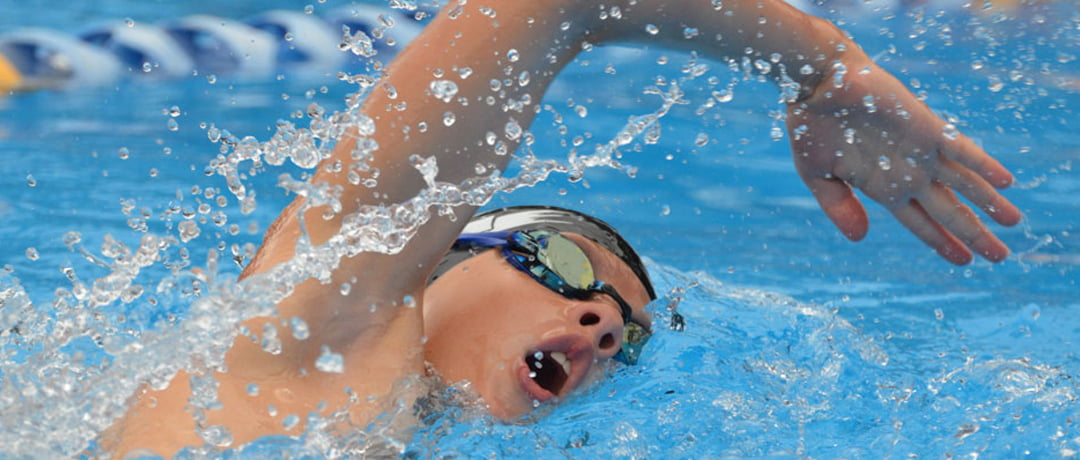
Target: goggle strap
624,307
482,240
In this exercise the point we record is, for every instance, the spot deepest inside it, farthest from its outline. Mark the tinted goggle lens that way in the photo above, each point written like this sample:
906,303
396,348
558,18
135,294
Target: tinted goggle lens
562,266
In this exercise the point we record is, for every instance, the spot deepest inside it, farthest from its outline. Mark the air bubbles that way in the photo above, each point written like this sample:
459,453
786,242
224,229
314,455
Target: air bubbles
581,111
31,253
123,153
717,4
147,67
129,22
409,301
513,55
252,389
172,125
448,119
651,29
30,181
884,163
464,72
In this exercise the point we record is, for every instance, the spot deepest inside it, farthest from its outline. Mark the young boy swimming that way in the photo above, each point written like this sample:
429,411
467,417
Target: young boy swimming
554,298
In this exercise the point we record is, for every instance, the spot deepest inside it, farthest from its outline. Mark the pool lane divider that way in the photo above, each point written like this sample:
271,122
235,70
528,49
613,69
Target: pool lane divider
277,41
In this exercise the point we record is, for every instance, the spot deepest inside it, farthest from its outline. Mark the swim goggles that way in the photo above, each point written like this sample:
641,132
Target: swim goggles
561,265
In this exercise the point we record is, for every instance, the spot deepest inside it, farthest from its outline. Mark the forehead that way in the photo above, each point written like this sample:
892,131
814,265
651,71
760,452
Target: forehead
612,270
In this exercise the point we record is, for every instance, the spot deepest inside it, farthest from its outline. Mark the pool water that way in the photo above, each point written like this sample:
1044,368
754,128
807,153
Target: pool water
797,342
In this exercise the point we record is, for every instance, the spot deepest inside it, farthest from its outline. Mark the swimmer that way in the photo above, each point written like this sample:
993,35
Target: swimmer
557,295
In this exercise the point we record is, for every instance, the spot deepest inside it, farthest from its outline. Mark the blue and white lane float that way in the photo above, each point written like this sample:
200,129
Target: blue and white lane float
274,41
145,51
44,58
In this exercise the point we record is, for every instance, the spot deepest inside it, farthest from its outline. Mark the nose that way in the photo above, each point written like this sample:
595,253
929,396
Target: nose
603,324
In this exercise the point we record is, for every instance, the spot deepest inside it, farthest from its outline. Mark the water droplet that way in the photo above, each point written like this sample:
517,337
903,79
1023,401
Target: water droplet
950,132
724,95
523,78
330,362
701,140
581,111
147,67
839,70
870,102
129,22
252,389
776,133
513,55
884,163
216,435
30,181
464,72
290,422
172,125
938,314
513,130
409,301
31,253
717,5
299,328
188,229
849,136
665,210
448,118
444,90
309,9
651,29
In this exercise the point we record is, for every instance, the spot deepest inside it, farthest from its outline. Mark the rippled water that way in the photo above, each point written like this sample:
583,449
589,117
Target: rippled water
123,238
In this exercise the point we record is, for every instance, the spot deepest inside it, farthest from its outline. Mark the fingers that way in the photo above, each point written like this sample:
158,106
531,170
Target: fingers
959,222
964,151
918,221
975,189
841,205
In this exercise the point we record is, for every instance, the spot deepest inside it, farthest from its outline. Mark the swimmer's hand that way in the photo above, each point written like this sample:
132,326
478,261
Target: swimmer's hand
864,129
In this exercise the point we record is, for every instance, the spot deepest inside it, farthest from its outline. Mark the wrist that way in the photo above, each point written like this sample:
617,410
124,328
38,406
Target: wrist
833,56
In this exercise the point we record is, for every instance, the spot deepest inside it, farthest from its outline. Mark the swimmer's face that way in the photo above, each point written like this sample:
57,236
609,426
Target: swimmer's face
485,321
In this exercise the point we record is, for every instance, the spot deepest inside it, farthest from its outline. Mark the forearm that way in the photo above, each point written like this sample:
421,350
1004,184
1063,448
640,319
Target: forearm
801,46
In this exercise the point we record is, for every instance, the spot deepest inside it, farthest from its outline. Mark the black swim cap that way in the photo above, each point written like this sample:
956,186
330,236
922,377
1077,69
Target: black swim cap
548,218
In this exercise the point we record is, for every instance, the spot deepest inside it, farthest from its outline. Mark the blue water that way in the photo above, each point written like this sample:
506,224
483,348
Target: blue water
798,342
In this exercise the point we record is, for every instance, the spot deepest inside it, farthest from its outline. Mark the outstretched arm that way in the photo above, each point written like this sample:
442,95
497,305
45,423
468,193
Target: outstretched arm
851,125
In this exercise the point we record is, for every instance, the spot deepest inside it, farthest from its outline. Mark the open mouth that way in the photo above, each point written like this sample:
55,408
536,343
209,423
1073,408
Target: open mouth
549,369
